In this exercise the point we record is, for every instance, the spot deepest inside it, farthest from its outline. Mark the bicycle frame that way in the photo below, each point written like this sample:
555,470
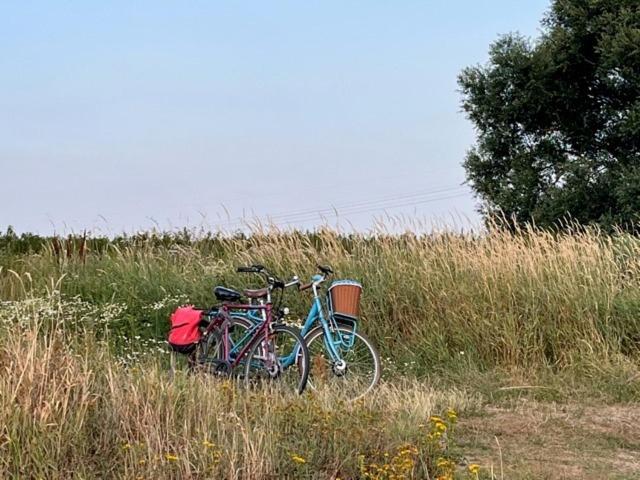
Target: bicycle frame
338,331
253,335
316,314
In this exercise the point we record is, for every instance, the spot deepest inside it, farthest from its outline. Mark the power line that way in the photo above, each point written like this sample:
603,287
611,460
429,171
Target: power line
382,201
376,209
387,202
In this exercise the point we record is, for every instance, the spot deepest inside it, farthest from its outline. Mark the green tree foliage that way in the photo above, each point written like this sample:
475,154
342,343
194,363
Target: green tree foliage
558,119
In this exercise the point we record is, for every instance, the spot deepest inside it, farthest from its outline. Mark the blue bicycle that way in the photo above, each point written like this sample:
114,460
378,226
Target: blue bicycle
342,358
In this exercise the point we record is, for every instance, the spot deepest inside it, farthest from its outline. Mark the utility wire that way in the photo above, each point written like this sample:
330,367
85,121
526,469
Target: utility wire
350,205
393,201
337,213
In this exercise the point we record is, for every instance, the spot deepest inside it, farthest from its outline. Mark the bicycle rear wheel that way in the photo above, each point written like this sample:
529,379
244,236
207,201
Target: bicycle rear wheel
208,356
357,373
281,361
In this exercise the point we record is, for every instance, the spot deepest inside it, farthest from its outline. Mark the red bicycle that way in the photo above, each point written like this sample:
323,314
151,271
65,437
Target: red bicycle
268,352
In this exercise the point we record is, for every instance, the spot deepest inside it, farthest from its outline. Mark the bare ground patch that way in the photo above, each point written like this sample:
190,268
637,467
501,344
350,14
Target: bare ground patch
555,441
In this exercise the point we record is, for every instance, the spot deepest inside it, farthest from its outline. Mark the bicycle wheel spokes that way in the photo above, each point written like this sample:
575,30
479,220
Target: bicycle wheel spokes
354,374
280,362
209,358
240,333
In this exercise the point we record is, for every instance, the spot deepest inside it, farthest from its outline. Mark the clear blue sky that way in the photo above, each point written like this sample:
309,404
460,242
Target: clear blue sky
115,115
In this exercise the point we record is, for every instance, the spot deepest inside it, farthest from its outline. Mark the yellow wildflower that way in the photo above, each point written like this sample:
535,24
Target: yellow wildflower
298,459
440,426
170,457
442,463
208,444
474,469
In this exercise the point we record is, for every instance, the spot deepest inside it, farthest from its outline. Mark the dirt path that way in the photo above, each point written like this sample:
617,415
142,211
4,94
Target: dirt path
536,440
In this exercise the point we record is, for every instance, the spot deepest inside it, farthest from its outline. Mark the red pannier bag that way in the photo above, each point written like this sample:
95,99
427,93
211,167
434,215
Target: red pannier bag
185,329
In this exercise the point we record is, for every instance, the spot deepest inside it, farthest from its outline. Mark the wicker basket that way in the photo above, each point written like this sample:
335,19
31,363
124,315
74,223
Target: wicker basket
344,298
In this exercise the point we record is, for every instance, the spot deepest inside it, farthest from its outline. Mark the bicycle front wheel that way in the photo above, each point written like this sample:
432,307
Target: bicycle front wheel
281,361
351,376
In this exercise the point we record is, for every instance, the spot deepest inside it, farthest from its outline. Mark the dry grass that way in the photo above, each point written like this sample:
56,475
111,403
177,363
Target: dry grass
534,299
69,409
556,441
83,390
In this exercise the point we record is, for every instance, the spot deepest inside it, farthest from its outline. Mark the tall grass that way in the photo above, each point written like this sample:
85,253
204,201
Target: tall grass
73,406
70,409
533,299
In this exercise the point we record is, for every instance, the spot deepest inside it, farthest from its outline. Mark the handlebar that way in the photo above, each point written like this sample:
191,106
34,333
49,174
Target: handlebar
272,280
317,279
326,269
275,282
294,281
252,269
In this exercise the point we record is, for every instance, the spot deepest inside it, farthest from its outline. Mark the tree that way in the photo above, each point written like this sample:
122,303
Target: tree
558,119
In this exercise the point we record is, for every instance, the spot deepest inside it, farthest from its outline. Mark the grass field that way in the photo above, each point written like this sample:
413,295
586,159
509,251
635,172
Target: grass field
522,351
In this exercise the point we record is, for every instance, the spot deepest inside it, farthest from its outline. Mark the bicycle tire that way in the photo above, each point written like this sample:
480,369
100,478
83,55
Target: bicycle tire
351,391
259,370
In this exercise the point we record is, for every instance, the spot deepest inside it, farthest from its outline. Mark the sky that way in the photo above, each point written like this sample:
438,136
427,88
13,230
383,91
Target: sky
122,116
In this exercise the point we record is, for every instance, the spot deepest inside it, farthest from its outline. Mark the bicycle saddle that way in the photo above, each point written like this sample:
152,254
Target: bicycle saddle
259,293
225,294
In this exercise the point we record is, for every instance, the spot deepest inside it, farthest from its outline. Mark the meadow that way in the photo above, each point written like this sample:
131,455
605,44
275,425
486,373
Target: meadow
501,354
